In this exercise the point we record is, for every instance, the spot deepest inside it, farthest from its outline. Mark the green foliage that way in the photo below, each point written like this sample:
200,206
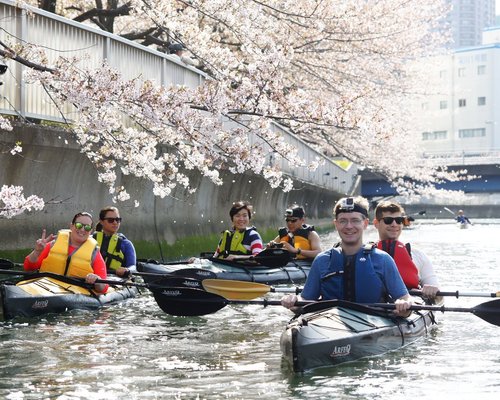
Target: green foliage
181,249
16,256
194,245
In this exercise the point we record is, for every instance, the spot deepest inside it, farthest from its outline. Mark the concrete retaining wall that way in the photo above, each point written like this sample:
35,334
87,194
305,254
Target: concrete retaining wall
55,170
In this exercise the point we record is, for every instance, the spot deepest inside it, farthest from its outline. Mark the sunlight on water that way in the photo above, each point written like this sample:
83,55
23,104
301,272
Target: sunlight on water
133,350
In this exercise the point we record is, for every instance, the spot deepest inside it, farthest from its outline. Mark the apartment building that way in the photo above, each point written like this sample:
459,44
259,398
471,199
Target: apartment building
462,116
468,19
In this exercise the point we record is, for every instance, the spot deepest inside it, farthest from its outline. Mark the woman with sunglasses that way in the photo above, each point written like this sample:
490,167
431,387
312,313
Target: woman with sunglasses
71,253
118,252
298,237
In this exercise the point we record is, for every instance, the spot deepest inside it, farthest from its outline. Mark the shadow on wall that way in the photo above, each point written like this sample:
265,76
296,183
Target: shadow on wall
53,169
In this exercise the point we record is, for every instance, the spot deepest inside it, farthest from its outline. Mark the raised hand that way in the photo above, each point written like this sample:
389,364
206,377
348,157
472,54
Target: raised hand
42,242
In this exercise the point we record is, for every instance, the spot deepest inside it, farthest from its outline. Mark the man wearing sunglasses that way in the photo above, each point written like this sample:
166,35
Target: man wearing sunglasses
351,270
413,265
298,237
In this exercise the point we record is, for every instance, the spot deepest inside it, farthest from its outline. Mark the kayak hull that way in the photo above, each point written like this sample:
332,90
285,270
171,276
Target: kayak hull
46,295
291,273
342,334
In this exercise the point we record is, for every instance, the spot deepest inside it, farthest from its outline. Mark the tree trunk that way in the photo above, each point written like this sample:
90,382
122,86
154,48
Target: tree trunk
48,5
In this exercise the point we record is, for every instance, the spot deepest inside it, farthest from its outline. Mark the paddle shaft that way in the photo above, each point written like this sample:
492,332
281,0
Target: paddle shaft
77,280
245,290
193,272
458,294
386,306
447,209
13,272
413,292
423,212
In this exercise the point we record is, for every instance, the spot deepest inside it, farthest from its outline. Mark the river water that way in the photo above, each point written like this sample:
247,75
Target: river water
133,350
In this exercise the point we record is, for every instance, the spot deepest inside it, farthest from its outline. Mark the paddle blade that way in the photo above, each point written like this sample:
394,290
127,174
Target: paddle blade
188,302
489,311
6,264
273,257
175,281
235,290
195,273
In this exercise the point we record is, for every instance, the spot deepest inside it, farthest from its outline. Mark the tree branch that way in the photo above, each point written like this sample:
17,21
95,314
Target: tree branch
99,12
9,53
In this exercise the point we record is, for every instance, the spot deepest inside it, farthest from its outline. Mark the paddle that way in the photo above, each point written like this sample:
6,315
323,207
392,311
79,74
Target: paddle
68,279
166,282
195,273
162,281
273,257
423,212
457,294
447,209
194,302
242,290
4,263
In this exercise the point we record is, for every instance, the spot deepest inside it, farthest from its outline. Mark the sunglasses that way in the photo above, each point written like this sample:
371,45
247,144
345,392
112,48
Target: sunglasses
390,220
291,220
111,220
79,225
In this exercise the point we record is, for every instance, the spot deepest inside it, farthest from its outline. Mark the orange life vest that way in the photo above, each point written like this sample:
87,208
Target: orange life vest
406,267
78,264
298,239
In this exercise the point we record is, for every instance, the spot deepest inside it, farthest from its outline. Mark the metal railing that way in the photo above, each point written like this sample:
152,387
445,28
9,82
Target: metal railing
60,36
464,157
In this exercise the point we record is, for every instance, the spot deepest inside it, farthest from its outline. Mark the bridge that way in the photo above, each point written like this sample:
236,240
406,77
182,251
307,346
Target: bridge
483,165
53,168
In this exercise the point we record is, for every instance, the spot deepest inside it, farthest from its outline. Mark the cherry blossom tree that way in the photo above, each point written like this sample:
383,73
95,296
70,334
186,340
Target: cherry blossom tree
13,202
339,74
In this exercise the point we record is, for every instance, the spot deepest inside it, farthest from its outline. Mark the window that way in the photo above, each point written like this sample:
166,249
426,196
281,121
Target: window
481,57
481,69
442,74
471,133
462,103
443,104
436,135
461,72
481,101
425,106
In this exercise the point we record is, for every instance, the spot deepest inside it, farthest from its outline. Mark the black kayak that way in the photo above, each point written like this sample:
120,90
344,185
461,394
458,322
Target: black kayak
348,332
46,293
293,272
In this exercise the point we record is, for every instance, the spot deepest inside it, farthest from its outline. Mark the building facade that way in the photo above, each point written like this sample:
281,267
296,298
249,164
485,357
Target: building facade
462,116
468,19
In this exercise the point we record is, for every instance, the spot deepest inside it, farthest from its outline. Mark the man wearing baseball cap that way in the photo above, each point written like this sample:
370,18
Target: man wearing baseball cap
351,270
298,237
